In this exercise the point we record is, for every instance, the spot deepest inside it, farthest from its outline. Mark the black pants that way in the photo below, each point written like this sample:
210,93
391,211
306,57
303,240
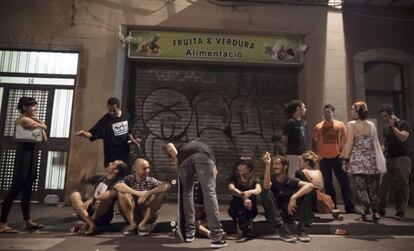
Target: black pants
24,175
241,215
277,213
118,154
335,165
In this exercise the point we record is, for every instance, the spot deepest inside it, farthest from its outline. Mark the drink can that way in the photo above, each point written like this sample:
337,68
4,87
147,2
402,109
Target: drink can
340,231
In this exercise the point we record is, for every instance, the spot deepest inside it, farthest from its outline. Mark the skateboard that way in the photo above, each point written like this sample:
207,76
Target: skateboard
178,226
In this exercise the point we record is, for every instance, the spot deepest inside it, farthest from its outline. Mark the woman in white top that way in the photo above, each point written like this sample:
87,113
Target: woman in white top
25,168
365,161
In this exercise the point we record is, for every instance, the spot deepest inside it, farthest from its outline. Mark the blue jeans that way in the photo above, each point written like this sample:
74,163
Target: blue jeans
202,165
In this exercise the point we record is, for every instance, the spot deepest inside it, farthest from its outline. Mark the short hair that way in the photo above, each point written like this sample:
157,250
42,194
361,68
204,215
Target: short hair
122,169
329,106
311,158
388,108
283,160
361,109
292,106
113,101
245,161
25,101
242,161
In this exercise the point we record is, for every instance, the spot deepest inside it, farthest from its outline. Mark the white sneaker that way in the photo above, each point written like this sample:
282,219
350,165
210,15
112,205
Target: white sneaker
148,228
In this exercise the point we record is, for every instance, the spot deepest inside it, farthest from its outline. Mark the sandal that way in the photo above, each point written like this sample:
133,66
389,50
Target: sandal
9,231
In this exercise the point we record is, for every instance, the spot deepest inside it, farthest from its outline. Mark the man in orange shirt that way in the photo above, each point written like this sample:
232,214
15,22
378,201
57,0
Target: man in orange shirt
329,137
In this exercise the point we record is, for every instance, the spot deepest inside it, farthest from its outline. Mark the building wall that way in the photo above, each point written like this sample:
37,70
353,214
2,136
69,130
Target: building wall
92,29
373,34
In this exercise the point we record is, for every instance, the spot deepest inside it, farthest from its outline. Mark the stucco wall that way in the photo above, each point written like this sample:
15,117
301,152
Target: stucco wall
47,24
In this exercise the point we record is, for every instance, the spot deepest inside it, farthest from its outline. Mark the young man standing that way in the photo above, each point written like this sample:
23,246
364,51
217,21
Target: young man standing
196,158
329,137
99,210
115,130
294,134
285,197
396,134
140,198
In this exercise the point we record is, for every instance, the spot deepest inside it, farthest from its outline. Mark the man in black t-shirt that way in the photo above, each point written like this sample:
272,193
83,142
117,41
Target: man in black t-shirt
114,128
99,209
396,134
284,197
294,134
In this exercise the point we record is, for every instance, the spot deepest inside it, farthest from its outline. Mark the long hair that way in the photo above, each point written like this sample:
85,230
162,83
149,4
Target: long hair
312,159
361,109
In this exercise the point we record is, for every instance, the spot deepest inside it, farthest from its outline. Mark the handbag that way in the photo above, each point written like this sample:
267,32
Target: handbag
379,155
324,202
27,135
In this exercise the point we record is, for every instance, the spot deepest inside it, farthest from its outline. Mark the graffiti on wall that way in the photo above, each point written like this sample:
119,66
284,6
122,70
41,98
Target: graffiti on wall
234,112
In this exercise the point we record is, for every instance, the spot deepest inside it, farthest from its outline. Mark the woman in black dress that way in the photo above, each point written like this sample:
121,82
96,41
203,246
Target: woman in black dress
25,168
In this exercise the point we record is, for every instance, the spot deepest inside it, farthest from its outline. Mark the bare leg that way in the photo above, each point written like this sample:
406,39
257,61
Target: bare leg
104,205
4,228
152,209
79,207
126,207
202,228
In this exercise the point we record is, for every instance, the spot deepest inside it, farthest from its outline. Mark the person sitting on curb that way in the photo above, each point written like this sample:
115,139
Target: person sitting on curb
99,210
288,195
309,172
245,188
140,198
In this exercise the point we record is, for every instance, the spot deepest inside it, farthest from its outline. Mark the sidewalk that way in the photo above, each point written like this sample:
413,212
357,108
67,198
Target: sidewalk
61,219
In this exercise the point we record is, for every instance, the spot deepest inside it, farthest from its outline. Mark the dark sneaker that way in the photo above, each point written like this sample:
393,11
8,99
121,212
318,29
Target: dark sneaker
303,237
189,237
286,235
246,229
239,232
399,215
219,243
382,212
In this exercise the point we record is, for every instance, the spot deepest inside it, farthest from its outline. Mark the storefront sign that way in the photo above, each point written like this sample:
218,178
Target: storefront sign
215,47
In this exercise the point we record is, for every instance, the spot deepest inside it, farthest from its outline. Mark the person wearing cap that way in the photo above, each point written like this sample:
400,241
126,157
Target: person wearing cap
25,167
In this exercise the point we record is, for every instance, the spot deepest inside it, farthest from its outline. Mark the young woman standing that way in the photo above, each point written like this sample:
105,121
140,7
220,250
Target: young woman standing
364,159
25,168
